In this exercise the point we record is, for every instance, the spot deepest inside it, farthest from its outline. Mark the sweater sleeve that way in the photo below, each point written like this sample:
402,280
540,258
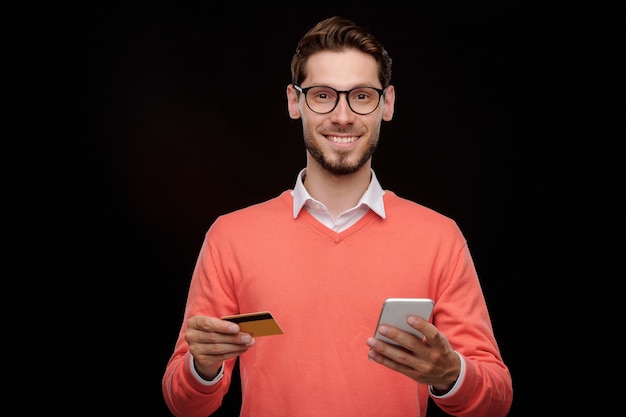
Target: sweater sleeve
185,394
461,314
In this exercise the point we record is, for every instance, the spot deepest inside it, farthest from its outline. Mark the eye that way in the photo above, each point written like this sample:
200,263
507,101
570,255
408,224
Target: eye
363,94
322,94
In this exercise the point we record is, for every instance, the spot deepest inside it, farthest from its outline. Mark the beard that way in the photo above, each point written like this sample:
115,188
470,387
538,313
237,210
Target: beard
342,164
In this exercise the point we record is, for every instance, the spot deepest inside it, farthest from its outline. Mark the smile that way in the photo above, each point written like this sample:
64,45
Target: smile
339,139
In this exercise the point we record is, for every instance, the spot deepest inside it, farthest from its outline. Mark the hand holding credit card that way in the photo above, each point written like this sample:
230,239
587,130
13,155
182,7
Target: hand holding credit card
257,324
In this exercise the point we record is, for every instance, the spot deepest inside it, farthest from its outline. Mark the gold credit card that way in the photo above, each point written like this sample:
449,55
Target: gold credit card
257,324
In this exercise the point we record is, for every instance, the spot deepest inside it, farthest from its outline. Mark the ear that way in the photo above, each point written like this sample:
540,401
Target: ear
293,102
390,101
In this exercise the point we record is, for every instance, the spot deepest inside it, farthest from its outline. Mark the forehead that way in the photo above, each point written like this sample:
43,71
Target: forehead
342,69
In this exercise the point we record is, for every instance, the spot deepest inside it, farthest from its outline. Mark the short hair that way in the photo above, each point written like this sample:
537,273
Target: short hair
334,34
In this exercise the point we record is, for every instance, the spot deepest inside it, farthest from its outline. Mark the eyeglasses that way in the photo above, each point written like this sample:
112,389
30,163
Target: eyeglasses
322,99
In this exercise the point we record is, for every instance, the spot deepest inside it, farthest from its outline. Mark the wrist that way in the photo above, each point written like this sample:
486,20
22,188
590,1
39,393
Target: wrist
440,389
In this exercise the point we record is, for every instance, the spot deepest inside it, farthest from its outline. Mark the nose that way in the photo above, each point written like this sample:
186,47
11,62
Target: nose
342,112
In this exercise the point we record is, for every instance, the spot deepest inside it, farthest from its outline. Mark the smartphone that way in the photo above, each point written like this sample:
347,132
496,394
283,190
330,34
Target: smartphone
395,311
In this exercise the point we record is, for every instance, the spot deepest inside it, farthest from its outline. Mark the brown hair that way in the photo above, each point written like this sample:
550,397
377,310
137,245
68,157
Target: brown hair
334,34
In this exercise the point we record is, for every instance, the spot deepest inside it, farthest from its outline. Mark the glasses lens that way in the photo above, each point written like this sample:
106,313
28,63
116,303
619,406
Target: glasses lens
362,100
321,99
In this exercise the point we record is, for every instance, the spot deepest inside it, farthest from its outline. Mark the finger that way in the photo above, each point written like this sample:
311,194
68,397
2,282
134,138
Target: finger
400,337
432,336
391,356
207,355
211,330
213,347
212,324
396,358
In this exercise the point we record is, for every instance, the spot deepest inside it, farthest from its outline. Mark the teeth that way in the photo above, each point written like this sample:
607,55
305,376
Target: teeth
338,139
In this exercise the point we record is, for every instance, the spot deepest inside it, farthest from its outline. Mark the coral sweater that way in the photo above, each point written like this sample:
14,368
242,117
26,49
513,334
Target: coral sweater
325,289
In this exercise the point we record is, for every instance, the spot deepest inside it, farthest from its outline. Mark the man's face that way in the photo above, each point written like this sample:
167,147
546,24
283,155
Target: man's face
341,141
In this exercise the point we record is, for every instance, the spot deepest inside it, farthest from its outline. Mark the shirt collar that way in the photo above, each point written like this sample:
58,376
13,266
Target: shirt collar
373,196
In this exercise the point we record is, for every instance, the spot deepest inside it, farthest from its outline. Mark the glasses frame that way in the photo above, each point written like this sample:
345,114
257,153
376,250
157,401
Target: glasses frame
304,91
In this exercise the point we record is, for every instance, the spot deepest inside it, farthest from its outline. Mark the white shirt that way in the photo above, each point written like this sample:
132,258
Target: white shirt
372,199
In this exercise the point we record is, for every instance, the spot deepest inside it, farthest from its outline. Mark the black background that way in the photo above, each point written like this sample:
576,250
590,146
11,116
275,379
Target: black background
133,126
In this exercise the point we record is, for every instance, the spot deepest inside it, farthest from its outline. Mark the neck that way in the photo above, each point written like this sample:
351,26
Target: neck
337,193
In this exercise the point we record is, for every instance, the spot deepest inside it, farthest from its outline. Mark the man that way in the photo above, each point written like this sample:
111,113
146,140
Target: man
322,258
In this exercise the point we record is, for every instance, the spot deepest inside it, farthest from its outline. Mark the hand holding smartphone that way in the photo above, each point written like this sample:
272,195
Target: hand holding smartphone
395,311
